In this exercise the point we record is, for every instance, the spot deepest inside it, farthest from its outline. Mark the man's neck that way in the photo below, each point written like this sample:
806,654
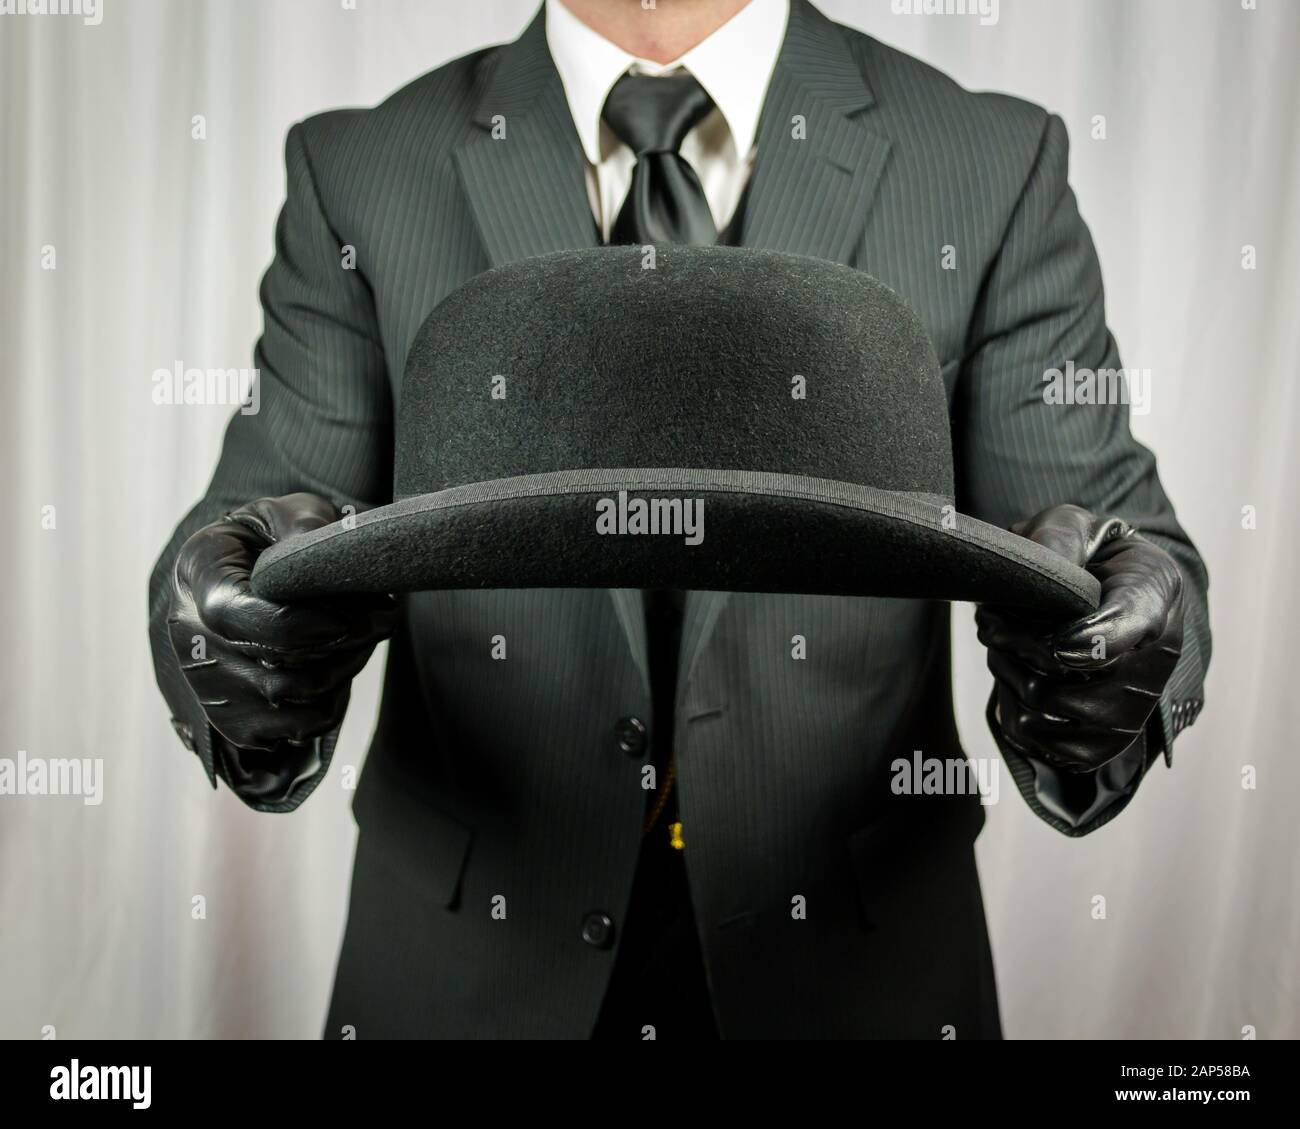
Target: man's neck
660,31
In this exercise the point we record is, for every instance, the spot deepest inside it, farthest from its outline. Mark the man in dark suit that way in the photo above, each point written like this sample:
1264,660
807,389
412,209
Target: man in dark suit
512,877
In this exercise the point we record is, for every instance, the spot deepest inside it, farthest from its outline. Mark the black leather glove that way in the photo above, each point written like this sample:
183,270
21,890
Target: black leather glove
1076,695
269,677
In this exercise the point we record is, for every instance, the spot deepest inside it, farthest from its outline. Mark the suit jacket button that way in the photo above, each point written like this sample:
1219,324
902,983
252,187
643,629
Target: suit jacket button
598,930
630,732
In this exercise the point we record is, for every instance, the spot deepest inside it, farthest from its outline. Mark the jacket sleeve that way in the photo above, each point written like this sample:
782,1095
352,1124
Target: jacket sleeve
321,421
1020,450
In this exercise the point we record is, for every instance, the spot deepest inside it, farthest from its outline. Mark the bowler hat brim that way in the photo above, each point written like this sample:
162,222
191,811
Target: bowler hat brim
760,532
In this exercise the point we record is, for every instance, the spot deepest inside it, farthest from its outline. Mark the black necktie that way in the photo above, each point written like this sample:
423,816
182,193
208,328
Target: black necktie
651,114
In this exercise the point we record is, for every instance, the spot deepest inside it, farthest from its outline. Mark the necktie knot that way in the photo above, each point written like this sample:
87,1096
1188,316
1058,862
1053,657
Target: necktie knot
654,113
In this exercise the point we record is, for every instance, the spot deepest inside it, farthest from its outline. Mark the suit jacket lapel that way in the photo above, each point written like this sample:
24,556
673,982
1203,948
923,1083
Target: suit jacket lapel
818,159
528,193
523,170
809,194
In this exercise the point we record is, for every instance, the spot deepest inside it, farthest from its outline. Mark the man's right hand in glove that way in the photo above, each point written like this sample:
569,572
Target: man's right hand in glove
271,678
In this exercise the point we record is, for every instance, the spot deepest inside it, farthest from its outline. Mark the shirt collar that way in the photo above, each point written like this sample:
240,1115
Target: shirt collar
734,65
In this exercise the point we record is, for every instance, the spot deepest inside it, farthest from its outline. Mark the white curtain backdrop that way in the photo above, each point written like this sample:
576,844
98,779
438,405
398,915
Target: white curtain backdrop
159,241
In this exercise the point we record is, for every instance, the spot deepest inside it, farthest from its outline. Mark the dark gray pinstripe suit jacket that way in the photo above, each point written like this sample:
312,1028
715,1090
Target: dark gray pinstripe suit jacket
493,778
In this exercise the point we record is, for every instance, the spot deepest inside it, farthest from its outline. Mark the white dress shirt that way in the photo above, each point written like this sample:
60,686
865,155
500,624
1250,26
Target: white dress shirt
734,65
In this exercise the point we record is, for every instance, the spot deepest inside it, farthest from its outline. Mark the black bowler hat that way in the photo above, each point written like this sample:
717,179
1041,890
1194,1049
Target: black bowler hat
700,418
